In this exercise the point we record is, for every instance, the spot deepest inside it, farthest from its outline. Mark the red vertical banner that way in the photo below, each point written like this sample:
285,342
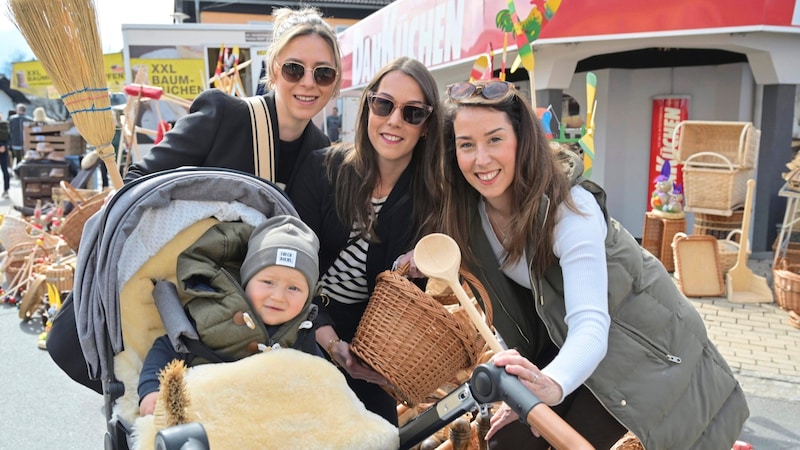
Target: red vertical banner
668,112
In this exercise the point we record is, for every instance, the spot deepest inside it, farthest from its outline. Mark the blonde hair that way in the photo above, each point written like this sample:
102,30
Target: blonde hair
291,23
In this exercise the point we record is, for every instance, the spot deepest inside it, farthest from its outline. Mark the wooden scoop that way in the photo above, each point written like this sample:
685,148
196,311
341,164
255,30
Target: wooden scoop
438,256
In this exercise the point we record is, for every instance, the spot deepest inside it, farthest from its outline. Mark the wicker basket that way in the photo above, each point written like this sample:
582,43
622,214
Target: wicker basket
729,250
719,226
15,230
59,195
413,340
791,254
657,237
716,191
72,227
699,141
786,282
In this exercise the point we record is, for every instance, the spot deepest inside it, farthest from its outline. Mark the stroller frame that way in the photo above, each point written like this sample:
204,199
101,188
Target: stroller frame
104,236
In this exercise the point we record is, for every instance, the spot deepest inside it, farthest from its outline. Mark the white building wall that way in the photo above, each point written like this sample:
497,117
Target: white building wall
622,140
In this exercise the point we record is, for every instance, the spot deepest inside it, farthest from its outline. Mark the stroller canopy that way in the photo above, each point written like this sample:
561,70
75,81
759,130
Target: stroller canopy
136,223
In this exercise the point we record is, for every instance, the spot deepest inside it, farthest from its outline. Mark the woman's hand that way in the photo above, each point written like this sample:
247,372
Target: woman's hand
344,358
547,390
339,352
540,384
412,272
148,404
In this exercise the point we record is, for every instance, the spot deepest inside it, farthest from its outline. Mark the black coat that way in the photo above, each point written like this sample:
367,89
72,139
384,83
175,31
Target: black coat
217,133
314,197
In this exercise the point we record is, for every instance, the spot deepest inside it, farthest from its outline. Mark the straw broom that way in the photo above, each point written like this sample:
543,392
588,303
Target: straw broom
65,38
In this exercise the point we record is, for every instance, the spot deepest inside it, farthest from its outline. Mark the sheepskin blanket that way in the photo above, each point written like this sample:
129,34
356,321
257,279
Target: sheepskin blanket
280,399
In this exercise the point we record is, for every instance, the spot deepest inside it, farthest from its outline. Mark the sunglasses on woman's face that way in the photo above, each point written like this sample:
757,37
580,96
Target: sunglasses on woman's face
383,106
493,91
294,72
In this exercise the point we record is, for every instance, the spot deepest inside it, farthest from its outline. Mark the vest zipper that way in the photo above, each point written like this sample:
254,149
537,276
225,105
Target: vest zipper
643,341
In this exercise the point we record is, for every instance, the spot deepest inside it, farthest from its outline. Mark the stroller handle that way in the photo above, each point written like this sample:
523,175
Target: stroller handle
490,384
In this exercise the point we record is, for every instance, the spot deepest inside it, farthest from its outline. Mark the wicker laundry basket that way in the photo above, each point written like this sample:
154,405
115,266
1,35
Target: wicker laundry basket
736,142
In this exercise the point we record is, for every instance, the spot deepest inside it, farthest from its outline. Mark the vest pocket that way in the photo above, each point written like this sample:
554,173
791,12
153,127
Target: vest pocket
642,340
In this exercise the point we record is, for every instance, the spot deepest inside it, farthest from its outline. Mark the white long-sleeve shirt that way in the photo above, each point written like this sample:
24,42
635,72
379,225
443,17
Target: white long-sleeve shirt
580,246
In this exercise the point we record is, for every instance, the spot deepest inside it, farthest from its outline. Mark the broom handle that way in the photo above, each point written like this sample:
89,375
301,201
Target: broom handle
106,154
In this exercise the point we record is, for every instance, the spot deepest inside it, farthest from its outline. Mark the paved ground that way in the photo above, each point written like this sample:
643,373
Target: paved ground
756,340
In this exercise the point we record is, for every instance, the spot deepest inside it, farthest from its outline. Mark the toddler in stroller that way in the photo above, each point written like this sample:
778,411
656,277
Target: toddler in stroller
280,399
278,272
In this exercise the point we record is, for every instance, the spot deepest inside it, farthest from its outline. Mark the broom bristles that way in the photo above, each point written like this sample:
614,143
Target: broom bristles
65,38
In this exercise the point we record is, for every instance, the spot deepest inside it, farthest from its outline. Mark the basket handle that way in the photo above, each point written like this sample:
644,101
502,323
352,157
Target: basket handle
678,236
743,140
74,197
730,235
483,295
727,162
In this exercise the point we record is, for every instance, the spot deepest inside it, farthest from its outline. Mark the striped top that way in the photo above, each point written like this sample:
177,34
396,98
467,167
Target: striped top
346,279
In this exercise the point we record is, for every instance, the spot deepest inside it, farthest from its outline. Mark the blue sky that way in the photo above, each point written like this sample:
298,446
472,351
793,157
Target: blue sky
111,15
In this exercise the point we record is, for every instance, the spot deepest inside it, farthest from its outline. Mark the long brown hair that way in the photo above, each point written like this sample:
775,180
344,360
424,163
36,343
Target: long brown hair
538,177
358,173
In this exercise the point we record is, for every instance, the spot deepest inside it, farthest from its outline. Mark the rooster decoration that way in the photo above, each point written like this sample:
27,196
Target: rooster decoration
525,31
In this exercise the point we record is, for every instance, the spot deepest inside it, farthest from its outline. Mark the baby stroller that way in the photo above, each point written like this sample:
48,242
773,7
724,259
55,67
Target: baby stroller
136,239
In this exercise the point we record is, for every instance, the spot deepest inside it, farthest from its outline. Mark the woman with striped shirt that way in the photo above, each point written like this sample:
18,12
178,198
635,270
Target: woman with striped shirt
369,202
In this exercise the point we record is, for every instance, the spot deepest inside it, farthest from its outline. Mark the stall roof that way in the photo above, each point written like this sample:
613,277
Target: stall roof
444,32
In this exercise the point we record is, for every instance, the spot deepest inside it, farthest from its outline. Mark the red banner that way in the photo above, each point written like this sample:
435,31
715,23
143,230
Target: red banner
443,32
668,112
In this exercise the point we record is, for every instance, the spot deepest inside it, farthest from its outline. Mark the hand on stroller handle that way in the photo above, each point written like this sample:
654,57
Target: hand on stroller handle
488,384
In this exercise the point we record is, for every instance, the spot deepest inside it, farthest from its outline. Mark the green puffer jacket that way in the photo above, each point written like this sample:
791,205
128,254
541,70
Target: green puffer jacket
209,289
662,378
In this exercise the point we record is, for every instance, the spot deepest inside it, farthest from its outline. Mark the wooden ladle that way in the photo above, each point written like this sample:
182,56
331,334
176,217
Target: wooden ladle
438,256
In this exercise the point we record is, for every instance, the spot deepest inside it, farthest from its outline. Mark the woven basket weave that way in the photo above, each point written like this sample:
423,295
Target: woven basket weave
737,142
714,190
72,227
414,341
786,283
729,250
718,226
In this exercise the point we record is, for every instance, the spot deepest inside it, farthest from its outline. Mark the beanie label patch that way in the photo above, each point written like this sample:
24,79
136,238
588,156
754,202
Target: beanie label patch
286,257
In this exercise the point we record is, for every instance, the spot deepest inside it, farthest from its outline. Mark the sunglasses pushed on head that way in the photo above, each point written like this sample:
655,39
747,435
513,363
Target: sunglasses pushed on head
490,92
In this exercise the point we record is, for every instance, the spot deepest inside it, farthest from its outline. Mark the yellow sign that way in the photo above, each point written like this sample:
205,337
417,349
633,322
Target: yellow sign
31,79
180,77
115,71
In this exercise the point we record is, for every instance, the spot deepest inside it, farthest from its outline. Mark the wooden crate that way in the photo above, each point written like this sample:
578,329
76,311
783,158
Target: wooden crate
657,237
53,137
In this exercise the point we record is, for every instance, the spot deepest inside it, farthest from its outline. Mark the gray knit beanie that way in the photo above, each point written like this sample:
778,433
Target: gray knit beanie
285,241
